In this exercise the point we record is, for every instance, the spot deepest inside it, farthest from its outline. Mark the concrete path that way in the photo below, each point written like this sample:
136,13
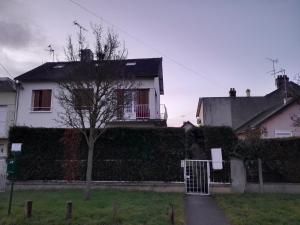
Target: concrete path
203,210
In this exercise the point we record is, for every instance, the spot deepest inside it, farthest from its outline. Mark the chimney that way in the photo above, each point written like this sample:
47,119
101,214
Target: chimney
248,92
281,81
232,92
86,55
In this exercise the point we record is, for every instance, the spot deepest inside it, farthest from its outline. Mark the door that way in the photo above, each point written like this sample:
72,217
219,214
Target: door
197,177
142,106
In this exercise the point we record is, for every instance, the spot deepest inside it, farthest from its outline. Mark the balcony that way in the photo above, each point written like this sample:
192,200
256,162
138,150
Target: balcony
141,115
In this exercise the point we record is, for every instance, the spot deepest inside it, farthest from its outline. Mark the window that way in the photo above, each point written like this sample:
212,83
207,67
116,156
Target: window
83,98
283,133
41,100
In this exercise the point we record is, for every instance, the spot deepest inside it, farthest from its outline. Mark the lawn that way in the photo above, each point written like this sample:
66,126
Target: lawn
132,208
261,209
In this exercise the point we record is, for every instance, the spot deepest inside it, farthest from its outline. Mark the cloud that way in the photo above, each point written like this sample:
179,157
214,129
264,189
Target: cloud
16,28
14,35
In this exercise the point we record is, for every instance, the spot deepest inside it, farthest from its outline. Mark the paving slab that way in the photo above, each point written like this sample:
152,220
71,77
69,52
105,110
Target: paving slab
203,210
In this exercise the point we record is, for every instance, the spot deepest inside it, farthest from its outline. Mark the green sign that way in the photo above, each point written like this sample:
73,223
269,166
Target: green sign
12,167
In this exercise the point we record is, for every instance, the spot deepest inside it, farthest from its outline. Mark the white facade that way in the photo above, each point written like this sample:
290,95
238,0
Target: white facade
27,117
7,114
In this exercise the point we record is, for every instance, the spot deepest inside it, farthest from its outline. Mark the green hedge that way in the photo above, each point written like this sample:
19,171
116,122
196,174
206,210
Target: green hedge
120,154
136,154
212,137
280,158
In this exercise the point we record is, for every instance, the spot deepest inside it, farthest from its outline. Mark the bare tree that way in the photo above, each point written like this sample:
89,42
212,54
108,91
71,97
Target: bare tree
89,94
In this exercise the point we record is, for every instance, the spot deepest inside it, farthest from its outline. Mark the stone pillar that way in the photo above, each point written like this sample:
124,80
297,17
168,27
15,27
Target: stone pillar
238,175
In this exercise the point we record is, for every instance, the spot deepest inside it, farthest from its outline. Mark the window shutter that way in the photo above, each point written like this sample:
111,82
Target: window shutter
36,100
46,100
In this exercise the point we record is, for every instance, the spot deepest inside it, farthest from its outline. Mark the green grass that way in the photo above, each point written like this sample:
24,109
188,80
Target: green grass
135,208
261,209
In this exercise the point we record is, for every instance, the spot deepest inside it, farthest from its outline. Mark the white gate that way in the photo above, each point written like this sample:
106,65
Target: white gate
197,176
2,175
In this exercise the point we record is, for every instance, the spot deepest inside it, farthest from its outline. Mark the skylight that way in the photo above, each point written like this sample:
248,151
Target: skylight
131,64
59,66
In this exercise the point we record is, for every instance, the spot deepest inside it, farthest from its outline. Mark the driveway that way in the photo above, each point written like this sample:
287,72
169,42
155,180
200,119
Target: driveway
203,210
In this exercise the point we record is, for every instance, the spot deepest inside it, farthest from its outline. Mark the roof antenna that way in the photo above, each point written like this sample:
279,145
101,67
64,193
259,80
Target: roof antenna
273,71
51,51
81,28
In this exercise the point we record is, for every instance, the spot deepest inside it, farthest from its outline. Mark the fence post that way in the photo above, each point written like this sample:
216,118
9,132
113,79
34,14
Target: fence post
28,209
260,176
69,211
172,214
238,175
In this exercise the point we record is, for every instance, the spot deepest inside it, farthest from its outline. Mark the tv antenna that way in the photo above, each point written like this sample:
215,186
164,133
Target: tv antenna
273,71
51,51
81,28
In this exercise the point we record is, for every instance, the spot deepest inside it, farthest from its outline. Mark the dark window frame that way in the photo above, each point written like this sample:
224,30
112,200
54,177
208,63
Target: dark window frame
41,100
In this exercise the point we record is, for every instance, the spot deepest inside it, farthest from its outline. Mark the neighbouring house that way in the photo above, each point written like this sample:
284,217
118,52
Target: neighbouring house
7,111
268,116
187,125
38,106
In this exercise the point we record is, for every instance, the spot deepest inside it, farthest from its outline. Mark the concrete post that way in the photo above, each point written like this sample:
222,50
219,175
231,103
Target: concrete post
260,176
238,175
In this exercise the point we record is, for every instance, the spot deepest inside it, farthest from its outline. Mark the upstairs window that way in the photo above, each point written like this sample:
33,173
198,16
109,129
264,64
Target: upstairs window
83,98
41,100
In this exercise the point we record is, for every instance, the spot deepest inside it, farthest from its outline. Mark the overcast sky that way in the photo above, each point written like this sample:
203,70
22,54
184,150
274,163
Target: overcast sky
208,46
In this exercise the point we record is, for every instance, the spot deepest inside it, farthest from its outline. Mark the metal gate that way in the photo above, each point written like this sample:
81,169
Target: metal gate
197,176
2,175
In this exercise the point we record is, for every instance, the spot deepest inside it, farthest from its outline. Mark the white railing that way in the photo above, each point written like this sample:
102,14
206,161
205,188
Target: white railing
142,111
133,112
163,112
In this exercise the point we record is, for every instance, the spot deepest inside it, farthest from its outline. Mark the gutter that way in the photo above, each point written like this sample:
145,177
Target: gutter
18,84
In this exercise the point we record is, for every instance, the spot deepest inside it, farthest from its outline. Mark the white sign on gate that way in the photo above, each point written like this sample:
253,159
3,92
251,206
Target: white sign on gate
216,157
16,147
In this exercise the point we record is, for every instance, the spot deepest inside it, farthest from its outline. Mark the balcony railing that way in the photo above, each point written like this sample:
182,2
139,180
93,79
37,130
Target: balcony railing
142,112
163,112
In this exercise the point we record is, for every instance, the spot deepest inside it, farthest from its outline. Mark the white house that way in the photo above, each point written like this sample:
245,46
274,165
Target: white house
7,111
39,107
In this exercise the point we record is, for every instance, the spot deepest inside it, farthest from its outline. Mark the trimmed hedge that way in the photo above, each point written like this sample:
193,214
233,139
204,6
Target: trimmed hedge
280,158
120,154
212,137
133,154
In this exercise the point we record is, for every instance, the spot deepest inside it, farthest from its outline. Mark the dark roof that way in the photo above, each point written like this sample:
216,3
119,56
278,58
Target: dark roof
187,123
7,85
55,71
246,110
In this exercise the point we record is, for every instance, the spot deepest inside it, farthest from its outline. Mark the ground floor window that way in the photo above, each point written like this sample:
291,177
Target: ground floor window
283,133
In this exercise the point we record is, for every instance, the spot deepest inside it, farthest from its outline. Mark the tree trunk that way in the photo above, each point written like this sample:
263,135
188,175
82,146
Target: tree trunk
89,170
